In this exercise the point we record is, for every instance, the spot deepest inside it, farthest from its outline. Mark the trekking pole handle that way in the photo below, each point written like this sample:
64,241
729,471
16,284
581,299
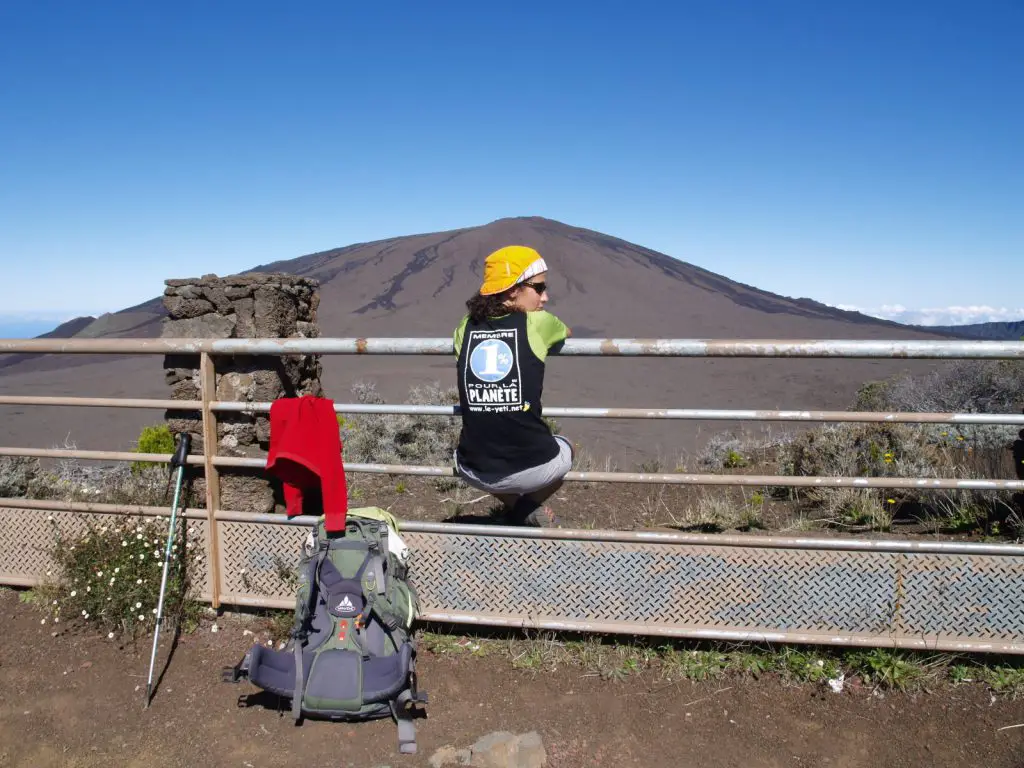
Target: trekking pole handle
181,454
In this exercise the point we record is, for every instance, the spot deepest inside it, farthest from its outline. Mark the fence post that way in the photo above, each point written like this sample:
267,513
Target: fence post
208,388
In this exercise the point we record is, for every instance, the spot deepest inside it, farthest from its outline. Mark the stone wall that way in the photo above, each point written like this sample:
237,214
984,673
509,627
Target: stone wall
251,305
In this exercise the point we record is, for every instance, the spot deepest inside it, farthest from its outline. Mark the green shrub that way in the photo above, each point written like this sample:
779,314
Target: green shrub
153,439
109,575
17,475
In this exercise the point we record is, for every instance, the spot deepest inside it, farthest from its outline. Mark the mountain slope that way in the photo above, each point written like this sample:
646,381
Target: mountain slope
600,285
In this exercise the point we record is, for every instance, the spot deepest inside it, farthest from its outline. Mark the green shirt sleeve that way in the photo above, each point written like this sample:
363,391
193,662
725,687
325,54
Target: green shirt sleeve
457,336
544,331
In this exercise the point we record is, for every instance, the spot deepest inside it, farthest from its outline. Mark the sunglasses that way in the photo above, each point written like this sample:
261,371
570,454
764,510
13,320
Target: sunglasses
540,288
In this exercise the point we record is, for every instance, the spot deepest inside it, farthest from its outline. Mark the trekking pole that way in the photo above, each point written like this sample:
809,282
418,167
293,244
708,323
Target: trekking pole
178,460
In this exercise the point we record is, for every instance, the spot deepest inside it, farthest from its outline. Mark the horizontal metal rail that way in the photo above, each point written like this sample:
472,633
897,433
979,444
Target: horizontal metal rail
702,414
581,534
102,402
709,414
902,349
646,478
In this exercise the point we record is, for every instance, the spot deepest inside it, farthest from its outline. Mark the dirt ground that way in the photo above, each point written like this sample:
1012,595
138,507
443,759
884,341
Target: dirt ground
76,699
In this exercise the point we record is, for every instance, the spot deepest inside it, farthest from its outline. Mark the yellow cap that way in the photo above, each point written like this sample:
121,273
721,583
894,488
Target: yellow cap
509,266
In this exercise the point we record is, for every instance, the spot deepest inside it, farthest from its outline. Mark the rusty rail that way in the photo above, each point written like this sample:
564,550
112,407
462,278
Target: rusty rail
922,350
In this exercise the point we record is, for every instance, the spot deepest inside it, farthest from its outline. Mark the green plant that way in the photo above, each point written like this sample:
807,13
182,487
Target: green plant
885,668
734,460
554,426
1005,680
803,667
400,487
153,439
110,573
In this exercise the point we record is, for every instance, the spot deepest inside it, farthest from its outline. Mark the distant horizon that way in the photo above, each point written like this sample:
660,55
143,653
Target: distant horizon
36,322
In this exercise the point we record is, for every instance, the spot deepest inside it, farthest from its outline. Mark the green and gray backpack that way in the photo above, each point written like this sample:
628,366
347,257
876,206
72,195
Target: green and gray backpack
351,655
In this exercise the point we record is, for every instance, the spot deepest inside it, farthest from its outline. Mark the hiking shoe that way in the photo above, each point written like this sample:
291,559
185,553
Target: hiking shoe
542,517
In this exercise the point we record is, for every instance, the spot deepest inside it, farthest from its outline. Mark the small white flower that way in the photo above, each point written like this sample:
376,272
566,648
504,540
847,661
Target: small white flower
117,570
142,617
138,581
138,605
111,582
108,599
213,628
154,610
138,529
88,589
138,535
74,592
124,543
56,619
54,602
100,574
86,615
142,556
50,518
42,621
110,635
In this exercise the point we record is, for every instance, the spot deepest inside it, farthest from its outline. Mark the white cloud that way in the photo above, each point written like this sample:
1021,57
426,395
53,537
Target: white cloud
939,315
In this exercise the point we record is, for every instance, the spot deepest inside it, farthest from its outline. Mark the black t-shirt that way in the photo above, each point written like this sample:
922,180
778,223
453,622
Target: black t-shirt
501,380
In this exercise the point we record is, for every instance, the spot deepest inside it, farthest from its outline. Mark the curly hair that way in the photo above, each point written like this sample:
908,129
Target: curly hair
482,308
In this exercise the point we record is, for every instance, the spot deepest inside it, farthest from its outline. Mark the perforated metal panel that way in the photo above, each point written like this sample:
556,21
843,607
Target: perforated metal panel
925,600
919,599
27,536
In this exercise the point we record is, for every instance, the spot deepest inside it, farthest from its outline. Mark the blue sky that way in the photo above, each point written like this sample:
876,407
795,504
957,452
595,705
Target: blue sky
863,154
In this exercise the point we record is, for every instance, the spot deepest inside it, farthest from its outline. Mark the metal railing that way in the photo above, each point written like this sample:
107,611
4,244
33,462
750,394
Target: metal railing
208,406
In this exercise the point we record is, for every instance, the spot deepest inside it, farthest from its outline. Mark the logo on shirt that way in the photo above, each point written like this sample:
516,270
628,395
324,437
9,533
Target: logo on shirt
492,377
491,360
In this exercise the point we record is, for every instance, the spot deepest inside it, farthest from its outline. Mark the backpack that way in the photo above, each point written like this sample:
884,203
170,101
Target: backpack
351,655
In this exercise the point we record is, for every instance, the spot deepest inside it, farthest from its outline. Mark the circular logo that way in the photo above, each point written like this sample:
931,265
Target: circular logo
491,360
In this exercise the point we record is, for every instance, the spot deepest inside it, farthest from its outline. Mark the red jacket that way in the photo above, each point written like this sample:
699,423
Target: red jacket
305,453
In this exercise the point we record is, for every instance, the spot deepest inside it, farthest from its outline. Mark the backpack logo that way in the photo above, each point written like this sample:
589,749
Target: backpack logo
345,606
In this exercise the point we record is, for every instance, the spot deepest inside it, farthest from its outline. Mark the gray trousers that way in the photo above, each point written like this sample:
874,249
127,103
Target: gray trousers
524,481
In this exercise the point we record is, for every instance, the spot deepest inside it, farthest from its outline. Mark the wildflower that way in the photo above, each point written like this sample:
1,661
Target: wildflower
142,617
945,434
74,592
138,529
88,589
42,621
960,438
110,635
142,556
124,543
100,574
891,501
85,613
138,581
117,570
213,628
138,605
56,619
154,610
54,602
108,599
111,582
138,535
